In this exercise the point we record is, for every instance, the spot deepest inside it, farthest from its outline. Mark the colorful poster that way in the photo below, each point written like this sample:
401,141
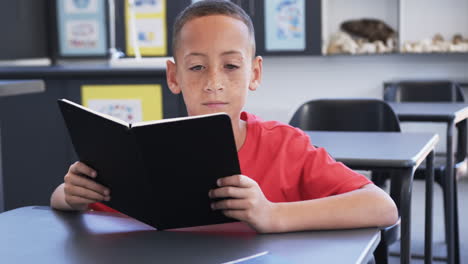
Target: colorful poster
285,25
82,34
81,26
128,110
128,102
146,27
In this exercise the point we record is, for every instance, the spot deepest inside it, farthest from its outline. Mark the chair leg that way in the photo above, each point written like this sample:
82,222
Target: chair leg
446,214
381,253
448,221
456,228
380,179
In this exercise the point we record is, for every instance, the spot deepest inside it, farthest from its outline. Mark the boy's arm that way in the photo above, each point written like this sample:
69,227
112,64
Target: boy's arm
57,200
365,207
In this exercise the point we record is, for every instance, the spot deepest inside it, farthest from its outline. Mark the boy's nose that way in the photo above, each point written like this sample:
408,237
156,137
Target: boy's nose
213,88
215,84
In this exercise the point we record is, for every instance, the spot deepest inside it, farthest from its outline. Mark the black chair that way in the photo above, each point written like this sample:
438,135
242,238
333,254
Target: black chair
435,91
422,91
353,115
346,115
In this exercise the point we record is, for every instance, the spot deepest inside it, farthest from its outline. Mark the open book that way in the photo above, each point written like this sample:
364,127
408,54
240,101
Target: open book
159,172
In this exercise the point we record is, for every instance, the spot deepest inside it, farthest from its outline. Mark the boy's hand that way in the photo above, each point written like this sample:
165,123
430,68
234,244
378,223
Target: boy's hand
81,191
246,202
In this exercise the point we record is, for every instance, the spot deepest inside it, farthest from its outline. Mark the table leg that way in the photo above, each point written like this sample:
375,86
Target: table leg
460,155
401,189
2,199
449,184
428,208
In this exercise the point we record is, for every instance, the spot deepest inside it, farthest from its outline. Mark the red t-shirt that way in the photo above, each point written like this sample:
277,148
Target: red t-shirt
286,166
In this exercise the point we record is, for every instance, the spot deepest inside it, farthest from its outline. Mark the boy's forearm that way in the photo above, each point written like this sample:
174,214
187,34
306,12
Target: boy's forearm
368,206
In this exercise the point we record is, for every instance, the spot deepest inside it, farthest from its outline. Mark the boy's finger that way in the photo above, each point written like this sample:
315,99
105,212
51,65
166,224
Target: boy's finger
81,168
236,214
88,184
235,180
85,193
229,204
229,191
80,200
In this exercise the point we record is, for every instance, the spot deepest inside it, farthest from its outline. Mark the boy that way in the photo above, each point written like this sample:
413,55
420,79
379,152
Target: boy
288,184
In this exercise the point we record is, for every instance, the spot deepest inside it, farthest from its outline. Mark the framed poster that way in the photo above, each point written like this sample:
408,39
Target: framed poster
128,102
285,25
81,26
146,28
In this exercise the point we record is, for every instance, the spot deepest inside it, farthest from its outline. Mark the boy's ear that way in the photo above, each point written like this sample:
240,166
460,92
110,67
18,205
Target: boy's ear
171,72
257,71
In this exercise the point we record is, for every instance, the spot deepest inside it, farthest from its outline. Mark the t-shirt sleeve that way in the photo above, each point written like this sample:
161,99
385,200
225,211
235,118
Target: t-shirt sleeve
101,208
322,176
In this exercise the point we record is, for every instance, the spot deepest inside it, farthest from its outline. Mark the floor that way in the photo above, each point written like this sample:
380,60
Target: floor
417,226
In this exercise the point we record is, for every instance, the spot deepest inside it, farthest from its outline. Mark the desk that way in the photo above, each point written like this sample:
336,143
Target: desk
451,114
29,234
15,87
388,151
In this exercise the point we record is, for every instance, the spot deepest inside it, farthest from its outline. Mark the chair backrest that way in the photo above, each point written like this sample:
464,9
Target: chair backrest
346,115
430,91
423,91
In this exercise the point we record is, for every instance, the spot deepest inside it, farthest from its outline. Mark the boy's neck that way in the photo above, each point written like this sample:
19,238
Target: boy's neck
240,132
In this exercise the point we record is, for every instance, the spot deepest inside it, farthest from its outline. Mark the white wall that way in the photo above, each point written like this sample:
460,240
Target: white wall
290,81
422,19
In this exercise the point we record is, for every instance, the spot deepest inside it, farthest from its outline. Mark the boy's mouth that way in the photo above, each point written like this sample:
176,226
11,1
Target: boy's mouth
215,104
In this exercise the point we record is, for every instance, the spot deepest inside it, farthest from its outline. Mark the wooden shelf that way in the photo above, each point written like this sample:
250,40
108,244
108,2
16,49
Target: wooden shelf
414,20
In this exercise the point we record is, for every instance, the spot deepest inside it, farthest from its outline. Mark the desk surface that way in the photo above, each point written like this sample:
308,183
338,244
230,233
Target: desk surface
17,87
36,233
376,149
431,111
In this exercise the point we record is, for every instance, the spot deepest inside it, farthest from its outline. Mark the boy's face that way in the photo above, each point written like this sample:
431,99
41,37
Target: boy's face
214,68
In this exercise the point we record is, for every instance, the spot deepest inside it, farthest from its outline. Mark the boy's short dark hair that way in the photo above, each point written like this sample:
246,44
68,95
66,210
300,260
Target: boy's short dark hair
208,8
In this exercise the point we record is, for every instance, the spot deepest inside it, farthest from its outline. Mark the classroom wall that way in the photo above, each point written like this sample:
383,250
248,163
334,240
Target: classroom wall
290,81
446,17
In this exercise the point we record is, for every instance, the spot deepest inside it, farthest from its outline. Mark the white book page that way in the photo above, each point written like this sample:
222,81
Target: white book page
144,123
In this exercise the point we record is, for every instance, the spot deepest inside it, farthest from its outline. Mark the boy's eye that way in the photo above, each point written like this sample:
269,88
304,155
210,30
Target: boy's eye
231,66
196,68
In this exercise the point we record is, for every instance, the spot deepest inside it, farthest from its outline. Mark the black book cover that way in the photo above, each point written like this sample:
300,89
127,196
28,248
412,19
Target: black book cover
158,172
